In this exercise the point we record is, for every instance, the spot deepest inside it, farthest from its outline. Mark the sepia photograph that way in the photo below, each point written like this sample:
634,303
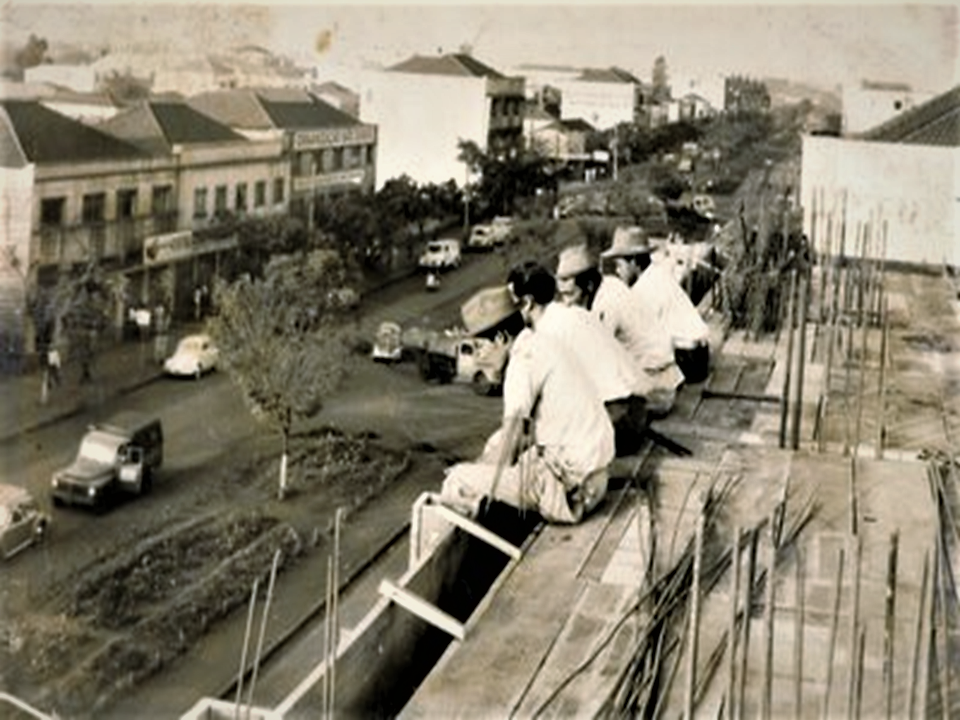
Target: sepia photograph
482,361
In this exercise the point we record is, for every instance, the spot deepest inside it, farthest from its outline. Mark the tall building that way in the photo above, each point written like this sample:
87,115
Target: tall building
604,98
424,106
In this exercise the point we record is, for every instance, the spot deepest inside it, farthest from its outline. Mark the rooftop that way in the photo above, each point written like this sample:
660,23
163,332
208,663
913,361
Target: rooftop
452,64
270,108
36,134
156,126
935,122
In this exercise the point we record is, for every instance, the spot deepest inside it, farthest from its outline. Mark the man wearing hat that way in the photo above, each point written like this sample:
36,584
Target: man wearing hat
580,281
661,295
560,470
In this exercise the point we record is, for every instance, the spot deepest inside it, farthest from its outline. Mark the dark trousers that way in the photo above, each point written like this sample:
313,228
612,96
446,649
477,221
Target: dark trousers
629,418
694,362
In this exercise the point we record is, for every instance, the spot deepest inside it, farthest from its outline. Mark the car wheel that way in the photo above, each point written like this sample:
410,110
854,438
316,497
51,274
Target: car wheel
481,385
146,483
42,530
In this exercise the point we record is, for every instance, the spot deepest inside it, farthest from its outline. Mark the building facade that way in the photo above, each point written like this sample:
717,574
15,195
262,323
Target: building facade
424,106
604,98
329,153
872,103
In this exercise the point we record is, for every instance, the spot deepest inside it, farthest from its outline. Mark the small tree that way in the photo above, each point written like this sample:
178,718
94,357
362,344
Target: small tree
285,351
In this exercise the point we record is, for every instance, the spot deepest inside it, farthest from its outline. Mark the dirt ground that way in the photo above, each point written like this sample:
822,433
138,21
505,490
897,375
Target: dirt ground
128,615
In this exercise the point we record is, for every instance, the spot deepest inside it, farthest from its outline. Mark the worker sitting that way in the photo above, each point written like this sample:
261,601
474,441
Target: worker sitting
555,442
580,282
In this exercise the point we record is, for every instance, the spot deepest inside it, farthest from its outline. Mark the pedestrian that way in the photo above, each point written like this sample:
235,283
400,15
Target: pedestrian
580,282
559,467
197,302
53,366
660,294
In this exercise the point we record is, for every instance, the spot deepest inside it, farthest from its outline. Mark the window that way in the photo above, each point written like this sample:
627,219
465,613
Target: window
51,211
278,188
240,197
260,193
337,158
162,200
371,149
326,160
304,164
200,202
93,208
126,204
220,200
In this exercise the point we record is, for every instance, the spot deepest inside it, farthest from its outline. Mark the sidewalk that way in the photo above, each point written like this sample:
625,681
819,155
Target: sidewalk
119,367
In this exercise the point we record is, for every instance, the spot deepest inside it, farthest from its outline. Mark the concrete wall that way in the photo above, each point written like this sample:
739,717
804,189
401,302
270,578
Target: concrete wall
915,189
82,78
420,119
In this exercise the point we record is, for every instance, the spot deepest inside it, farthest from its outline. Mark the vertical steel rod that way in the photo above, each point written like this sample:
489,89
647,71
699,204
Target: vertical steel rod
890,618
732,632
327,620
768,618
745,627
921,625
800,603
801,361
854,620
832,646
788,362
694,629
858,671
943,627
335,636
246,645
881,386
263,630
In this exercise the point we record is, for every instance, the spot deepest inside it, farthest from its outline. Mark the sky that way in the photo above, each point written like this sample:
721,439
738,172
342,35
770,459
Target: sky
821,43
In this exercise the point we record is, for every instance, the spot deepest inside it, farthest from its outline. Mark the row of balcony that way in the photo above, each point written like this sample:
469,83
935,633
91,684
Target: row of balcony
117,240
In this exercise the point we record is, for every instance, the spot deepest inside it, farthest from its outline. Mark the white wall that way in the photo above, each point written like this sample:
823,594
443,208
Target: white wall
16,203
82,78
865,108
603,105
914,188
420,119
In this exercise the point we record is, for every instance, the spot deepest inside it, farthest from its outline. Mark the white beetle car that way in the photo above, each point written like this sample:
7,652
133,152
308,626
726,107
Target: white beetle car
194,356
22,523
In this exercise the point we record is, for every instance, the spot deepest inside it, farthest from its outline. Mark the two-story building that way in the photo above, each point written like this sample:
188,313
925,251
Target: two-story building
424,106
219,172
329,153
603,97
77,194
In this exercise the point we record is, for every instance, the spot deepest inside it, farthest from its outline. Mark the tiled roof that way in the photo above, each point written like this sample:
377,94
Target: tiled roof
266,108
156,126
608,75
11,154
453,64
46,136
935,122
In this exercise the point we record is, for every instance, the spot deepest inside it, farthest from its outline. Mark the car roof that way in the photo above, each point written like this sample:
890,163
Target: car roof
127,421
13,494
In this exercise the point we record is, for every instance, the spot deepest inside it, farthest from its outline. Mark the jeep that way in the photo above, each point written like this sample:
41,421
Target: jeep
118,456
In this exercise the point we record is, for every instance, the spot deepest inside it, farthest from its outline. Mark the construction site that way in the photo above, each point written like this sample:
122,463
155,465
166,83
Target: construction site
793,551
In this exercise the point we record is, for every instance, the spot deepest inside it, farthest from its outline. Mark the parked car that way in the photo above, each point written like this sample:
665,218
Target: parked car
120,455
490,235
194,356
22,523
441,255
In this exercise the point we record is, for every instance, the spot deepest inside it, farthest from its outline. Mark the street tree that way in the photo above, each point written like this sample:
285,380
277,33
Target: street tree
504,179
285,356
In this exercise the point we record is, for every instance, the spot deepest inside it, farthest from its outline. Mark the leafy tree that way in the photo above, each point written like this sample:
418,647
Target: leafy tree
33,53
503,180
284,358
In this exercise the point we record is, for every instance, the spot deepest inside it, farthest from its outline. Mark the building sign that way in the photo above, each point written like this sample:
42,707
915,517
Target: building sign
170,247
334,137
317,182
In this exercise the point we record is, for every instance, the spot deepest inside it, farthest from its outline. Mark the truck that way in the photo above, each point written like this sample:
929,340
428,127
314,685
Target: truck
118,456
455,356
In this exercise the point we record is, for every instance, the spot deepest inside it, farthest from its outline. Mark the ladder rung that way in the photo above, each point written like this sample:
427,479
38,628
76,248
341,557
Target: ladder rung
422,609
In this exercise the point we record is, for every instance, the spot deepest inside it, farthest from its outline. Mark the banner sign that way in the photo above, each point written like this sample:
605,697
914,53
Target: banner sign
171,247
334,137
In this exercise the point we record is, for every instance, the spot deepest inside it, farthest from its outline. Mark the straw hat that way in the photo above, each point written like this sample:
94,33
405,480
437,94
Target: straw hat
627,242
487,308
574,260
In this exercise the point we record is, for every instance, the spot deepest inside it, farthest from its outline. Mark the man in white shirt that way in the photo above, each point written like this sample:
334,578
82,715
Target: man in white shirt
604,359
661,295
560,470
580,282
